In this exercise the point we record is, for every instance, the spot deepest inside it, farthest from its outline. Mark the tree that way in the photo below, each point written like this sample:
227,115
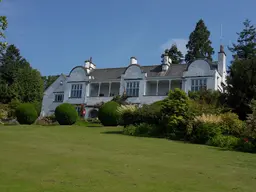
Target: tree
246,42
48,80
18,80
3,26
174,54
241,86
199,44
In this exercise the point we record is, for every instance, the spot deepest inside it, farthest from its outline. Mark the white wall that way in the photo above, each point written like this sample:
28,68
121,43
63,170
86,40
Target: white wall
199,69
48,103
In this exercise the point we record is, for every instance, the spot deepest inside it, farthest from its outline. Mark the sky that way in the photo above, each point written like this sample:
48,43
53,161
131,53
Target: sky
57,35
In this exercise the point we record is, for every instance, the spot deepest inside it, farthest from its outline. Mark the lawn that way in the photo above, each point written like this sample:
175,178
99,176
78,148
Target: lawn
65,159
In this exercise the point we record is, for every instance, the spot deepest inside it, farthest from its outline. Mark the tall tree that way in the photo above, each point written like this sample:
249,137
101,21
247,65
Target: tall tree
3,26
199,44
18,80
245,47
241,86
174,53
48,80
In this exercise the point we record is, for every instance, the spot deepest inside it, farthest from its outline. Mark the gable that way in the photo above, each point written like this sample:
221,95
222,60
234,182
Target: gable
199,68
78,74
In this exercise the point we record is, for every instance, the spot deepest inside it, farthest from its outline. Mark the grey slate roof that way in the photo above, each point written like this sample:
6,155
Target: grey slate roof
175,70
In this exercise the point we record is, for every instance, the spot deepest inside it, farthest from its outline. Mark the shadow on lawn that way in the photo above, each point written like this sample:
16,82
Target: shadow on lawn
113,132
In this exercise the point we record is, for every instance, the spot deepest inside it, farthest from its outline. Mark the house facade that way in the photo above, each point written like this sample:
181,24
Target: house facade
90,86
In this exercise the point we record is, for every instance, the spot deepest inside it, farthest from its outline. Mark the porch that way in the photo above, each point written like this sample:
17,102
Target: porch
109,89
161,87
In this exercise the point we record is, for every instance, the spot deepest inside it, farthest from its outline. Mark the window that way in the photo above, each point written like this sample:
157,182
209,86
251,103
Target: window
76,91
132,88
198,84
59,97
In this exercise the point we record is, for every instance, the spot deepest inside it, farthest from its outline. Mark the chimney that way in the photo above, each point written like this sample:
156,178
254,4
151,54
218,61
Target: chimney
222,63
89,65
166,62
133,61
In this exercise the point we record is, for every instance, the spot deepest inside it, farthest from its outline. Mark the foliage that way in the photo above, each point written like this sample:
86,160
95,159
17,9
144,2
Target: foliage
246,42
174,54
208,118
176,114
13,105
17,79
250,130
202,132
26,113
48,80
121,100
126,108
239,96
108,115
232,125
224,141
3,26
147,113
66,114
199,44
142,129
3,111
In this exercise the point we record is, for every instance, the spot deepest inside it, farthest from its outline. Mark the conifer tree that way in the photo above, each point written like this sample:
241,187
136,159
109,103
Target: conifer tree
199,44
174,53
245,48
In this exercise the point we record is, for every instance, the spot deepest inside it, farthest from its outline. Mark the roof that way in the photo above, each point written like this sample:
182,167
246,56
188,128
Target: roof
175,70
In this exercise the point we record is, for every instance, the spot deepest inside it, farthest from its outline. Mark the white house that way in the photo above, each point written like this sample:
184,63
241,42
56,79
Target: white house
144,84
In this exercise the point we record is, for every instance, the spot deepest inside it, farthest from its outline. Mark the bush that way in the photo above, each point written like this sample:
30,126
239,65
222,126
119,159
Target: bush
143,129
66,114
26,113
176,114
108,115
38,106
13,105
224,141
232,125
202,132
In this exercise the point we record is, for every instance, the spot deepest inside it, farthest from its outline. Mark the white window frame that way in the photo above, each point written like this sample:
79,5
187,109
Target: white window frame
198,84
133,88
58,97
76,91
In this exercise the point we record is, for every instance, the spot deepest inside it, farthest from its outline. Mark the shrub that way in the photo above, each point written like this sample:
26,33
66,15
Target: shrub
250,130
108,115
38,106
176,114
232,125
150,114
3,111
26,113
66,114
208,118
224,141
143,129
202,132
13,105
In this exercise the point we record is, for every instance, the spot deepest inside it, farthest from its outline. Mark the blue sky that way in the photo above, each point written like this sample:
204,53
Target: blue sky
56,35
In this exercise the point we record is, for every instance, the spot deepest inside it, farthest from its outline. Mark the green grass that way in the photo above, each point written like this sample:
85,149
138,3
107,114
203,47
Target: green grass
79,159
